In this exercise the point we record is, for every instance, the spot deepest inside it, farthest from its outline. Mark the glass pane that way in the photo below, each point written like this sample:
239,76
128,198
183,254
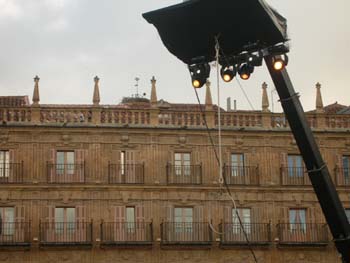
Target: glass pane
122,162
178,212
70,214
9,218
130,214
59,216
177,157
292,216
60,158
70,162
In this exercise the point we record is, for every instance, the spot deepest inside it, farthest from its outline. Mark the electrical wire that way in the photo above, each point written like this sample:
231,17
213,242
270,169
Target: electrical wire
218,158
245,94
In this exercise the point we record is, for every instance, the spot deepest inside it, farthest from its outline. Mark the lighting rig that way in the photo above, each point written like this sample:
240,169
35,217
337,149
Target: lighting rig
242,64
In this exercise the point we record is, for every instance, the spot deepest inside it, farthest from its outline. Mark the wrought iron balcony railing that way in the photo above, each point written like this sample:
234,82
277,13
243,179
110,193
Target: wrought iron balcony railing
15,234
184,174
126,233
294,176
11,173
241,175
65,173
302,234
126,174
342,176
65,233
257,234
181,233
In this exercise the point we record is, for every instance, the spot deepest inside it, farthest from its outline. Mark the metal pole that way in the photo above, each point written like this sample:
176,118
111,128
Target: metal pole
318,172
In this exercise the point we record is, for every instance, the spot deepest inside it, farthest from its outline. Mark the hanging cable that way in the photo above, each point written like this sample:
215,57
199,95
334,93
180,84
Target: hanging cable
218,158
245,94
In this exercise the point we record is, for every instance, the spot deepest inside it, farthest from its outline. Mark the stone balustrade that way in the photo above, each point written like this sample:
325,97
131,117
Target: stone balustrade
88,114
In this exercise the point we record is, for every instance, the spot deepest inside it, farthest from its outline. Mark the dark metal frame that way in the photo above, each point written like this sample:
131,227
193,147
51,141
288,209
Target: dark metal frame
317,169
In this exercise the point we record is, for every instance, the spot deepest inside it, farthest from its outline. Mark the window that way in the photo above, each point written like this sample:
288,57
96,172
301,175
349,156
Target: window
7,215
346,167
183,217
65,163
347,212
122,162
4,164
64,220
182,164
237,164
245,216
297,219
130,219
295,166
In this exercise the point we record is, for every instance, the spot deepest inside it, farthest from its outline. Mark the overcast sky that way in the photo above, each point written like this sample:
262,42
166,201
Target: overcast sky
68,42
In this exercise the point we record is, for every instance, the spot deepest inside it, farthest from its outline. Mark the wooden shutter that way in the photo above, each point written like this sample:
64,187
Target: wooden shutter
79,166
200,227
52,165
119,224
283,167
13,168
21,229
47,223
83,228
140,224
339,170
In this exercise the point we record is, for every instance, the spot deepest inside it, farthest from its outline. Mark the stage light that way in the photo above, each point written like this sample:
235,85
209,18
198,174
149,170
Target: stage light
280,63
245,70
199,74
228,73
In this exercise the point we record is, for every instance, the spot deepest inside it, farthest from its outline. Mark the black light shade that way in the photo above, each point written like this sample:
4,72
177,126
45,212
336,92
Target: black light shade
189,29
245,70
199,74
228,73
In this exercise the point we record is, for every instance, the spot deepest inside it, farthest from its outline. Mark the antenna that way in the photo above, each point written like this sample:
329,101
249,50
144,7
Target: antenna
137,87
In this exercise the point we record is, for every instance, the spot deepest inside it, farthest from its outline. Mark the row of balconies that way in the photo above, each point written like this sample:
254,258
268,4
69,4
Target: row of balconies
171,233
175,174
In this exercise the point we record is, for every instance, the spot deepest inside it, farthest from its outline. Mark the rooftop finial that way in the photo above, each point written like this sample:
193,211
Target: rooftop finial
265,100
319,102
153,92
96,96
36,97
208,98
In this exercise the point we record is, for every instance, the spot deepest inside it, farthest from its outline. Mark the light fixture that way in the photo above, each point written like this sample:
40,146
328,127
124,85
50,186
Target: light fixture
199,74
228,73
280,63
245,70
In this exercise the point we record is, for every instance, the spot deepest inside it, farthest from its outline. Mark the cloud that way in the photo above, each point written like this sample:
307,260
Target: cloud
9,9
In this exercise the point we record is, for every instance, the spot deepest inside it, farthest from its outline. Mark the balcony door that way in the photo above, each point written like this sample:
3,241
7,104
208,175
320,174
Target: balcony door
8,225
346,169
65,224
129,225
297,225
65,166
296,170
183,223
182,167
4,165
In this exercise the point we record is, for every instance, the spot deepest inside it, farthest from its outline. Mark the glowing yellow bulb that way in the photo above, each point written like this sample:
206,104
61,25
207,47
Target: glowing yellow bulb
278,65
245,76
196,83
227,78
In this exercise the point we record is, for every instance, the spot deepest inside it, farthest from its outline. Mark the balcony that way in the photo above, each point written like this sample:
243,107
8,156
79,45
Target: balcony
184,174
241,175
342,176
15,234
126,174
303,234
65,233
294,176
126,234
65,173
257,233
11,173
180,233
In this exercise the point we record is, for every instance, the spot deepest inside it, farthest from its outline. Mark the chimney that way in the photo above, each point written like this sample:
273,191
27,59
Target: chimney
234,105
229,104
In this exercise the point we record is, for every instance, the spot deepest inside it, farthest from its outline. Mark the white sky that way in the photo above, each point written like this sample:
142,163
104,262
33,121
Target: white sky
68,42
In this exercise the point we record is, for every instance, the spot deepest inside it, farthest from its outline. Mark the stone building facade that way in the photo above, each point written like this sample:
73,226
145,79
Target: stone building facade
139,182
